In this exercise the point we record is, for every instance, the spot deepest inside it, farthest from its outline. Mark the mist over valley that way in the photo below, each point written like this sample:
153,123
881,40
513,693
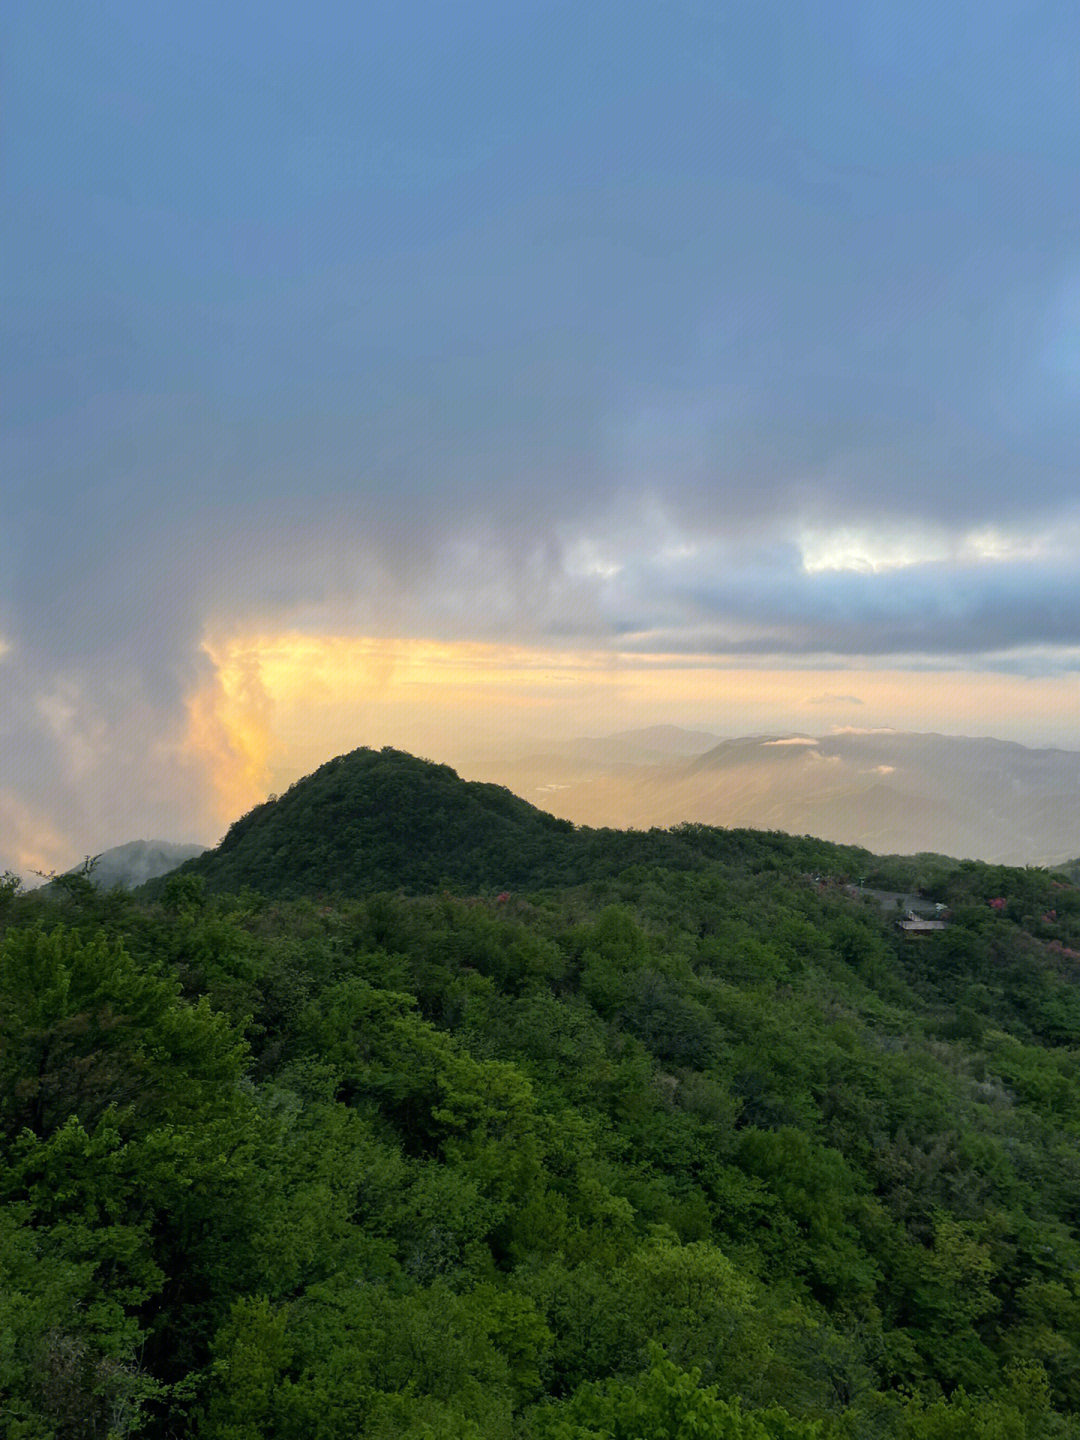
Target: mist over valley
888,790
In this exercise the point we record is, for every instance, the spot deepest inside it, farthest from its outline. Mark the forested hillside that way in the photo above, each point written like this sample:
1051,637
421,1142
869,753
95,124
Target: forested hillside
686,1140
378,820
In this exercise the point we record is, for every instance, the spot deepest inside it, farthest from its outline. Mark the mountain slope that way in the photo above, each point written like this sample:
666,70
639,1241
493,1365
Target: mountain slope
384,820
129,866
886,790
373,820
432,1166
138,861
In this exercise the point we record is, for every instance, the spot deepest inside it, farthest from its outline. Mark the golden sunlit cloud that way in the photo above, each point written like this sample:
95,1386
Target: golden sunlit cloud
31,842
229,731
278,705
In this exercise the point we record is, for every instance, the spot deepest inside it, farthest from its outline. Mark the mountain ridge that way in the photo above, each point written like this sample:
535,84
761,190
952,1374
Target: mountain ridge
372,820
993,799
129,865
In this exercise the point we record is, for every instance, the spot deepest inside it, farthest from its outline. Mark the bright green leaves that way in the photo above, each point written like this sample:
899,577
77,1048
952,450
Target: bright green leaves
252,1354
819,1194
84,1030
704,1311
666,1403
347,1357
129,1152
68,1350
480,1155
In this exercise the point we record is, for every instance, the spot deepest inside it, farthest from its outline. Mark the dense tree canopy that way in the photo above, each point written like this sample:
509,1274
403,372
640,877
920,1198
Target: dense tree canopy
687,1141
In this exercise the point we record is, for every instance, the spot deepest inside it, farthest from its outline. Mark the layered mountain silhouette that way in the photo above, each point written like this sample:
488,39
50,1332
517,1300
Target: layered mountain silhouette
375,820
887,790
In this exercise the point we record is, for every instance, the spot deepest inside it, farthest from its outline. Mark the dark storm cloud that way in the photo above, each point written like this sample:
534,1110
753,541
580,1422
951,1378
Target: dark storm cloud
387,320
919,610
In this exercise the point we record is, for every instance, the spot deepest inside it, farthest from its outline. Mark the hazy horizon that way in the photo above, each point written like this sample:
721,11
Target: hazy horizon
643,776
445,376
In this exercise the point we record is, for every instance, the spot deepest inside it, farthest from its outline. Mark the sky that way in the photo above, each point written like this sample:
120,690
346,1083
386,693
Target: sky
442,375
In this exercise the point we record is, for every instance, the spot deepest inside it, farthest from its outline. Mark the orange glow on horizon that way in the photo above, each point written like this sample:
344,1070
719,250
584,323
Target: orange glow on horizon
281,704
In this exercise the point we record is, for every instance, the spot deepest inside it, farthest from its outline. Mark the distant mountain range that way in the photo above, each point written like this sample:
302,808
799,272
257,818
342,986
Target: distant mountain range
887,790
372,819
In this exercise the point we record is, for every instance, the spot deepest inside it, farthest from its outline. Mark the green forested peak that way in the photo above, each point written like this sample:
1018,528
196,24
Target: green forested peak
376,820
686,1139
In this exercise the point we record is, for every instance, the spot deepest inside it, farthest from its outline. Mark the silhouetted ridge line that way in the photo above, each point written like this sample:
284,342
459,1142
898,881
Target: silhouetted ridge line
375,820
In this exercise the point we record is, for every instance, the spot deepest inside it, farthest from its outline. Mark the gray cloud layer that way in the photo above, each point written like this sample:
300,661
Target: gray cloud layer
524,329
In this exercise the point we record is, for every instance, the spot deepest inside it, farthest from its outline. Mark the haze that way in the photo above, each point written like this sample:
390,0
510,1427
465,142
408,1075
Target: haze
448,376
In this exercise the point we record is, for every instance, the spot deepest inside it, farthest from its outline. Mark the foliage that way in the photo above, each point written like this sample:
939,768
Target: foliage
379,820
687,1140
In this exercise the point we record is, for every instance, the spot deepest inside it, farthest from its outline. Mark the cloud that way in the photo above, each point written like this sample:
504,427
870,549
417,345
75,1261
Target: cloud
768,603
32,843
423,350
127,709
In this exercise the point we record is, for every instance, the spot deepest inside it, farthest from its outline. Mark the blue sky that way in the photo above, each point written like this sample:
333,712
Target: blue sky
738,331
